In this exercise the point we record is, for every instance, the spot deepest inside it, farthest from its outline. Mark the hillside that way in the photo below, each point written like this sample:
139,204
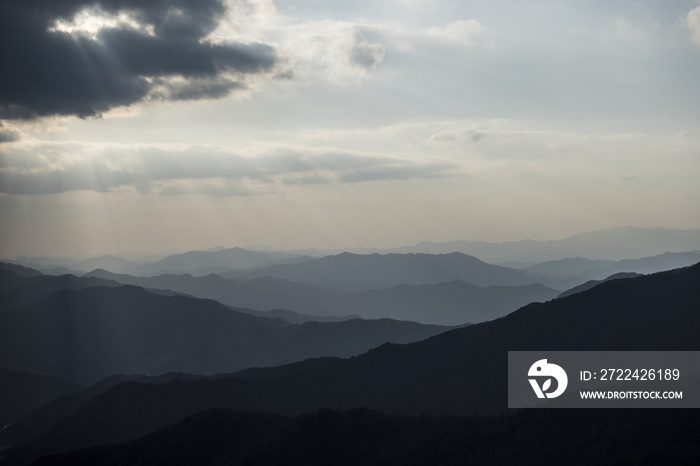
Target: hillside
22,393
592,283
262,294
205,262
646,265
360,436
459,372
92,332
449,303
355,272
57,400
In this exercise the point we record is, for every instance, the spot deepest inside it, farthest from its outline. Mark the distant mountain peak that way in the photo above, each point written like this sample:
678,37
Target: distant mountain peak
215,249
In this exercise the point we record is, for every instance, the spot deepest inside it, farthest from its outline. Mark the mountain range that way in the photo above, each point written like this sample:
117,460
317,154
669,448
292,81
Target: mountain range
194,262
459,372
89,331
435,289
593,283
449,303
358,272
205,262
611,244
249,342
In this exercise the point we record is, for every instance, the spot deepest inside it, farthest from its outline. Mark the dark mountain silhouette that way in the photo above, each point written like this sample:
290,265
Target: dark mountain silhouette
10,280
58,399
95,332
462,371
18,270
22,393
26,290
15,276
263,294
591,283
59,271
354,272
314,339
451,303
89,334
296,317
41,269
361,436
19,290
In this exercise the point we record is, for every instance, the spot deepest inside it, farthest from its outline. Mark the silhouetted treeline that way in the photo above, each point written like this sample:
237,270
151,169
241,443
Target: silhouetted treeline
361,436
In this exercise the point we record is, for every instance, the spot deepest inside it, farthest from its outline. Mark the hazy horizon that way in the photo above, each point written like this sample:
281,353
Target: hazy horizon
151,256
156,253
149,129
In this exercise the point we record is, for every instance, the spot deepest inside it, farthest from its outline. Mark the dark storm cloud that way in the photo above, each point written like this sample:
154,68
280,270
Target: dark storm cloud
49,72
195,89
193,169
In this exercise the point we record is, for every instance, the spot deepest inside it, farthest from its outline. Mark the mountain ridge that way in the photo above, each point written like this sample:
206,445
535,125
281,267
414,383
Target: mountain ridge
90,333
615,243
356,272
459,372
449,303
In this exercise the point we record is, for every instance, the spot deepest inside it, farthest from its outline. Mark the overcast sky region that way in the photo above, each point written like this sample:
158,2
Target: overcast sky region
153,126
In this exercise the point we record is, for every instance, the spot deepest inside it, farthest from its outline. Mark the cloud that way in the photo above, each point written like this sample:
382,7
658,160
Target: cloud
335,51
41,169
84,57
397,170
344,50
469,135
364,54
630,34
8,134
693,21
464,33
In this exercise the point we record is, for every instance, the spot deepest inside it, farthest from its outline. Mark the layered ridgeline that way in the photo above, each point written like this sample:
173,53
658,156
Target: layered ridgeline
194,262
205,262
352,272
568,273
444,289
462,371
437,295
613,244
85,329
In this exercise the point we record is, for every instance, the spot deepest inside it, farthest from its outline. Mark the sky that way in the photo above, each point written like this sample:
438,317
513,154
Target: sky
155,126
